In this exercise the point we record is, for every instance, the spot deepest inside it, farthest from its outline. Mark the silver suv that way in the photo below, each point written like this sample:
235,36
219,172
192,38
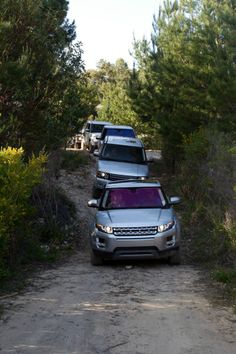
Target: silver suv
116,130
92,132
120,158
135,219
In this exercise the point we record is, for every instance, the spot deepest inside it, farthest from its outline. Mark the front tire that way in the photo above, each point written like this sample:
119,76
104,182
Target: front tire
95,259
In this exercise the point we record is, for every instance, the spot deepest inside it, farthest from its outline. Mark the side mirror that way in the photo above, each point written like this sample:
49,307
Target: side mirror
174,200
93,203
96,153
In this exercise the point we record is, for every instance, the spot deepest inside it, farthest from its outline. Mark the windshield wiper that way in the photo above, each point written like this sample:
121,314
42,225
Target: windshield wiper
107,159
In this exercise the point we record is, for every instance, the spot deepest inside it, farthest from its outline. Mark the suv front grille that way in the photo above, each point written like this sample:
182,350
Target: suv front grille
120,177
135,231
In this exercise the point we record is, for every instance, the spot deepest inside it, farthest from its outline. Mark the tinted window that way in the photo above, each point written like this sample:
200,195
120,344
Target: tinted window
123,153
126,198
97,128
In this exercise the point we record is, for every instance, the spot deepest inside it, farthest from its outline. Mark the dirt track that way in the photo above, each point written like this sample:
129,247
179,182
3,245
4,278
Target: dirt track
138,308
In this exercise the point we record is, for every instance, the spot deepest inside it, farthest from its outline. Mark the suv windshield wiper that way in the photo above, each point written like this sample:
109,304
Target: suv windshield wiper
108,159
135,162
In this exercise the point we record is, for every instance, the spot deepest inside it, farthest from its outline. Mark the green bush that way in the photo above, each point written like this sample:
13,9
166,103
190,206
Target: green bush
227,277
55,213
17,179
224,275
206,182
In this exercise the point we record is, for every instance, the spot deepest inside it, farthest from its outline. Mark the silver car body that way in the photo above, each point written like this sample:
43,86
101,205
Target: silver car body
117,130
118,170
92,132
134,232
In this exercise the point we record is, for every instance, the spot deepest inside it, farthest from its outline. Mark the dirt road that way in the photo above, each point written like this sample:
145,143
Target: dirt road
138,308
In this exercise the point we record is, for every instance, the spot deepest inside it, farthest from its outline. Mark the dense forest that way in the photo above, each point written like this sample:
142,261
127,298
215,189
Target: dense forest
180,96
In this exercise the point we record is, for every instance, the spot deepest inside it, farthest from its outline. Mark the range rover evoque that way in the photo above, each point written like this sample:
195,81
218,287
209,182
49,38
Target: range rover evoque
135,219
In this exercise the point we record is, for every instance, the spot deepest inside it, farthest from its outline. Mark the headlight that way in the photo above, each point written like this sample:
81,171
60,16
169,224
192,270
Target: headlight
165,227
103,175
142,178
103,228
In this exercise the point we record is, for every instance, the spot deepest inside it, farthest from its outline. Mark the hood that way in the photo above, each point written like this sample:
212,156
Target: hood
123,168
135,217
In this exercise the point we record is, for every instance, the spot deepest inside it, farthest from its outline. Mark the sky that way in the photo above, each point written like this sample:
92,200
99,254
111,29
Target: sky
106,28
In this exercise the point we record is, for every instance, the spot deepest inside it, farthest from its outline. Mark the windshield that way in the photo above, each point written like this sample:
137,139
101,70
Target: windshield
130,198
96,128
123,153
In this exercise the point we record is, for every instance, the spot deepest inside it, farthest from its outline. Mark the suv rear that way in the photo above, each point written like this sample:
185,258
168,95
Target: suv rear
92,132
120,158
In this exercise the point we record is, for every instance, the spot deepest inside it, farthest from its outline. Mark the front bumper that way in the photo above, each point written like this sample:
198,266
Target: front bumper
160,245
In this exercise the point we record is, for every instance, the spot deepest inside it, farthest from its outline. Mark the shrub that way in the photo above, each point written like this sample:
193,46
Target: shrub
227,277
206,182
54,213
17,179
149,133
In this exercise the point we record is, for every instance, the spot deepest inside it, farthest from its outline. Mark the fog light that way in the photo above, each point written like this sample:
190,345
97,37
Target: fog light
170,241
100,242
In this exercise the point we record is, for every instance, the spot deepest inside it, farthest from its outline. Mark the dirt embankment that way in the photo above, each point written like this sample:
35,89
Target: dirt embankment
138,308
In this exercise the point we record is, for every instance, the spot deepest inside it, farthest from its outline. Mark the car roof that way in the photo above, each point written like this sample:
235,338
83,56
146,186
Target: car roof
132,184
113,126
123,140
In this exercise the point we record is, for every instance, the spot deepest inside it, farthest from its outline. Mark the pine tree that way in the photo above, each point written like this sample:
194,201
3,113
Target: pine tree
40,66
187,74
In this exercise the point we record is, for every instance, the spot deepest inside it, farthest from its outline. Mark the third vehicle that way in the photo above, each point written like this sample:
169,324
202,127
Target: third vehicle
92,132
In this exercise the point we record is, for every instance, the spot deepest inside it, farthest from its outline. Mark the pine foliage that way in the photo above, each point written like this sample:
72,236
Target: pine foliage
39,68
